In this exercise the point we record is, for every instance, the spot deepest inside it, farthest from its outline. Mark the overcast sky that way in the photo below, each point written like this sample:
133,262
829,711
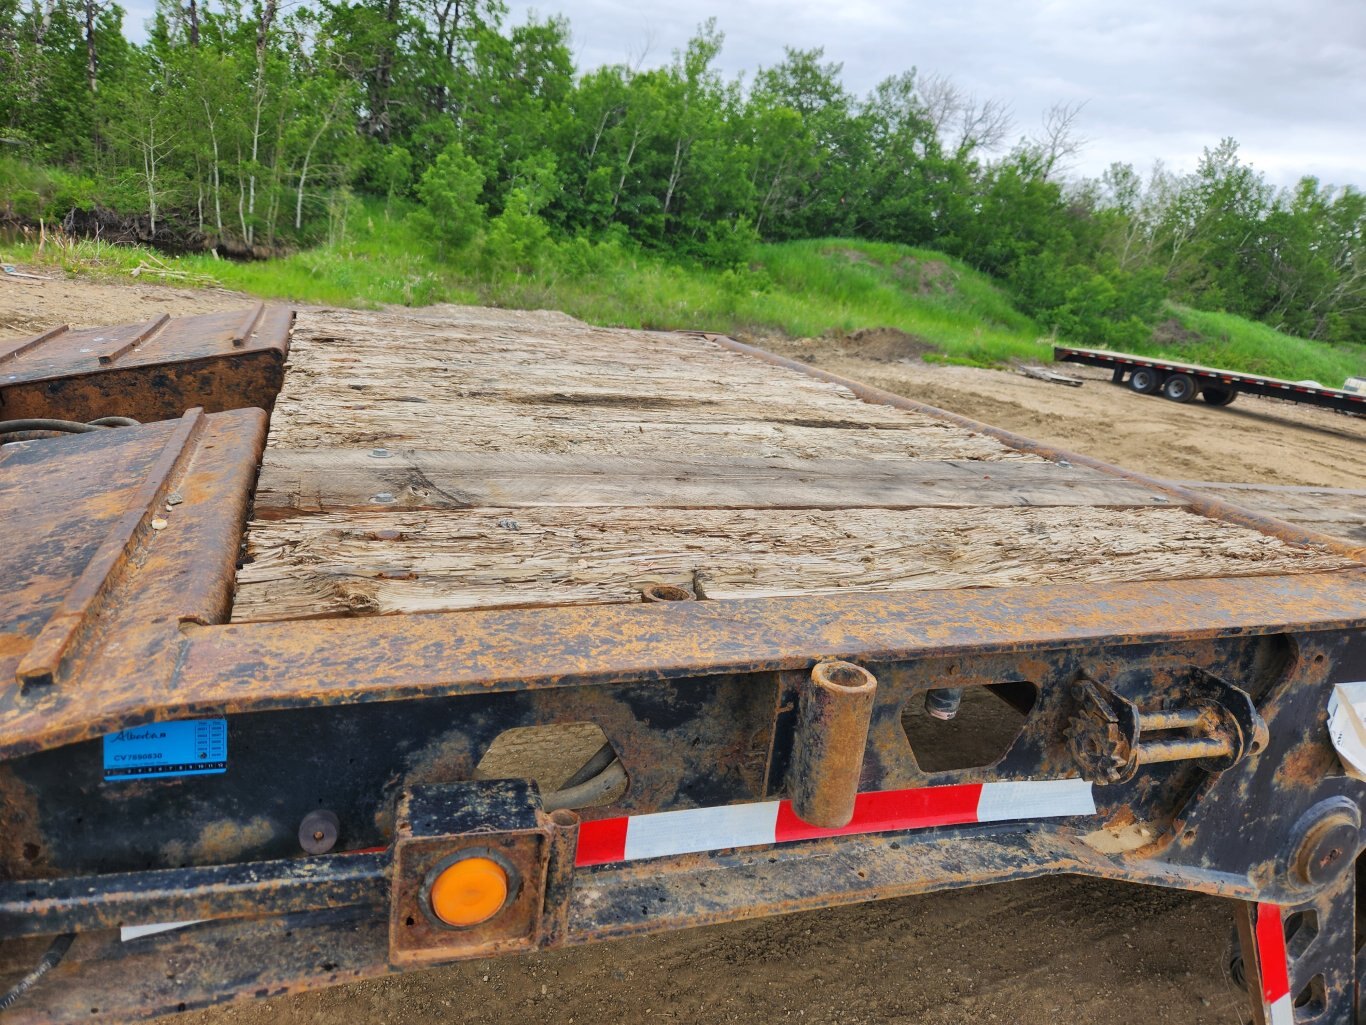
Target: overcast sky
1160,78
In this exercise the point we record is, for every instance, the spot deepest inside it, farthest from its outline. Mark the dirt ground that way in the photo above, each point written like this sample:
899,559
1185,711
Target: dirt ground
1041,951
1255,440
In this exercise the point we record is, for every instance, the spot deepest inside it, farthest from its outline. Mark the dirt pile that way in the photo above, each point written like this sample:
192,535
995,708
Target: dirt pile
884,345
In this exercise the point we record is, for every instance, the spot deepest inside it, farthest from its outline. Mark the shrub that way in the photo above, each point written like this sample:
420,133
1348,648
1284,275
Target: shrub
449,190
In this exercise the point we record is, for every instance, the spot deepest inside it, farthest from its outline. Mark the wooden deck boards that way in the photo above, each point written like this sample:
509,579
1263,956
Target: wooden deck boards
1337,511
463,458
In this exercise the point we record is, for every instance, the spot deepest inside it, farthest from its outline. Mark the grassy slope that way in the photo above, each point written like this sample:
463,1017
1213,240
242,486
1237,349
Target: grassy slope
1238,344
796,288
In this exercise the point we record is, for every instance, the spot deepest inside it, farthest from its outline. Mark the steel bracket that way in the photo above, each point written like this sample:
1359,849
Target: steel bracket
1206,720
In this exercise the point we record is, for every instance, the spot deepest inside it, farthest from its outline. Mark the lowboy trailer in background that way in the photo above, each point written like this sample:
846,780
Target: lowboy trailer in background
521,633
1181,382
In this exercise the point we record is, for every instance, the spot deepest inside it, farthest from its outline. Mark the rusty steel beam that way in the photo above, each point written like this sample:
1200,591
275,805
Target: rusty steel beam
1204,504
245,667
71,622
41,907
150,371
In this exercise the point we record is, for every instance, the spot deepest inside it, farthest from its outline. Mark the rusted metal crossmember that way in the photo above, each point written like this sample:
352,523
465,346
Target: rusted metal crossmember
155,370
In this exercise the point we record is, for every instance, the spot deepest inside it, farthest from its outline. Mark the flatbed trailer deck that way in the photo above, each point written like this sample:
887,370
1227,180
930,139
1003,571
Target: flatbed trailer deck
1181,382
656,629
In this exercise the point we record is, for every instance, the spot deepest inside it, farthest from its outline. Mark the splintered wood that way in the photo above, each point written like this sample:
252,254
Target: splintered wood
465,458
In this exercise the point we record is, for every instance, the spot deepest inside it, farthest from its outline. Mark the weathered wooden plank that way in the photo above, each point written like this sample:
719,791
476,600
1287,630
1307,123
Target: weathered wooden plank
386,560
1337,511
529,459
534,383
329,479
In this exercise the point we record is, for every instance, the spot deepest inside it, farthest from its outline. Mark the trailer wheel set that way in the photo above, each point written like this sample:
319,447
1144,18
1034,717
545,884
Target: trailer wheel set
292,655
1181,382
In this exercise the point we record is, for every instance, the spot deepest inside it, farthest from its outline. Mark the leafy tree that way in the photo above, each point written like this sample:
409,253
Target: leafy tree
449,190
518,240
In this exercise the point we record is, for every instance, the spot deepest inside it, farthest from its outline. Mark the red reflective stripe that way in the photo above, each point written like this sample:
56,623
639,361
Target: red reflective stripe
1271,954
891,809
601,842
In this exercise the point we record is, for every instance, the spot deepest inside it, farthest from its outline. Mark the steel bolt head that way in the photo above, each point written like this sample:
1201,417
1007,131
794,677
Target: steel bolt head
1329,838
1327,849
318,831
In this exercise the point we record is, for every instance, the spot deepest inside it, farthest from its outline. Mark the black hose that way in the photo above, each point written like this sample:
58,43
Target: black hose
36,428
45,964
44,424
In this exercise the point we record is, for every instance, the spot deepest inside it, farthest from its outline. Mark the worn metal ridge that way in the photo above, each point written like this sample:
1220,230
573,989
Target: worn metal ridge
53,648
28,344
139,336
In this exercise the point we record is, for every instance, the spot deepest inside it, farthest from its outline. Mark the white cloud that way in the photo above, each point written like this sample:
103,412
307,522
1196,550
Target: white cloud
1160,78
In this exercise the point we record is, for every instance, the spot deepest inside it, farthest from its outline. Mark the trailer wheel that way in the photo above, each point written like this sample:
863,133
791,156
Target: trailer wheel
1144,380
1179,387
1218,396
1234,968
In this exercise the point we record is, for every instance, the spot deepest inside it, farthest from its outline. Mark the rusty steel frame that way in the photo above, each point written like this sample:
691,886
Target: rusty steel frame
706,704
151,371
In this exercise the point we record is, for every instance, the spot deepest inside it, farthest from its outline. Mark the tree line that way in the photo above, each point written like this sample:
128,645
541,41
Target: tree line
250,126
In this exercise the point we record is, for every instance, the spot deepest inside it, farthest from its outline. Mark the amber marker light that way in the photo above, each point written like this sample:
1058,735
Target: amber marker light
469,891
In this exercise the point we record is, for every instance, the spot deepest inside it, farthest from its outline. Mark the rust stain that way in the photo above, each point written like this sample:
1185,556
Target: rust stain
1306,764
23,851
221,842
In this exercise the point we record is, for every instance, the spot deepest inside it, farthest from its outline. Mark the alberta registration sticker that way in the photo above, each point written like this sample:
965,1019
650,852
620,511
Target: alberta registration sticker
193,747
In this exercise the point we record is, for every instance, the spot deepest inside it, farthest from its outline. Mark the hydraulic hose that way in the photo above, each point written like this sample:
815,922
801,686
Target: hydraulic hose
46,963
36,428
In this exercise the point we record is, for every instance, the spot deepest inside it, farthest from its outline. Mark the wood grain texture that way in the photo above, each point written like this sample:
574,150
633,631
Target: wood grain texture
458,458
1337,511
535,383
364,562
294,481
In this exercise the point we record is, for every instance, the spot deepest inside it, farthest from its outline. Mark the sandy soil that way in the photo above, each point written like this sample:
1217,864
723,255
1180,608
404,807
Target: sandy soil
27,307
1041,951
1255,440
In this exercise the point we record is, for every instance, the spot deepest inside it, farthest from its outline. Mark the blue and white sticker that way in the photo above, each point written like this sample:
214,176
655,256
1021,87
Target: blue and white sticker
192,747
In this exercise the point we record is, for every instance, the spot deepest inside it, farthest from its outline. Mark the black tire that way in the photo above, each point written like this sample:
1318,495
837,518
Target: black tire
1179,388
1234,968
1145,380
1218,396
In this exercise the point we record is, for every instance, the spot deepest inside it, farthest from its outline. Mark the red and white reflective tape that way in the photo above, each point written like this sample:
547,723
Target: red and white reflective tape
693,830
1274,965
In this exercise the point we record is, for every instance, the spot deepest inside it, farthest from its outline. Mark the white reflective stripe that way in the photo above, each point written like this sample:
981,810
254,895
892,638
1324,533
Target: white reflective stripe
700,829
1034,799
1281,1012
132,932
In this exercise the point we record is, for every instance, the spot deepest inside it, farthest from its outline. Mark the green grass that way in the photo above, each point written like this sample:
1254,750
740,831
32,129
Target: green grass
1234,343
797,289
